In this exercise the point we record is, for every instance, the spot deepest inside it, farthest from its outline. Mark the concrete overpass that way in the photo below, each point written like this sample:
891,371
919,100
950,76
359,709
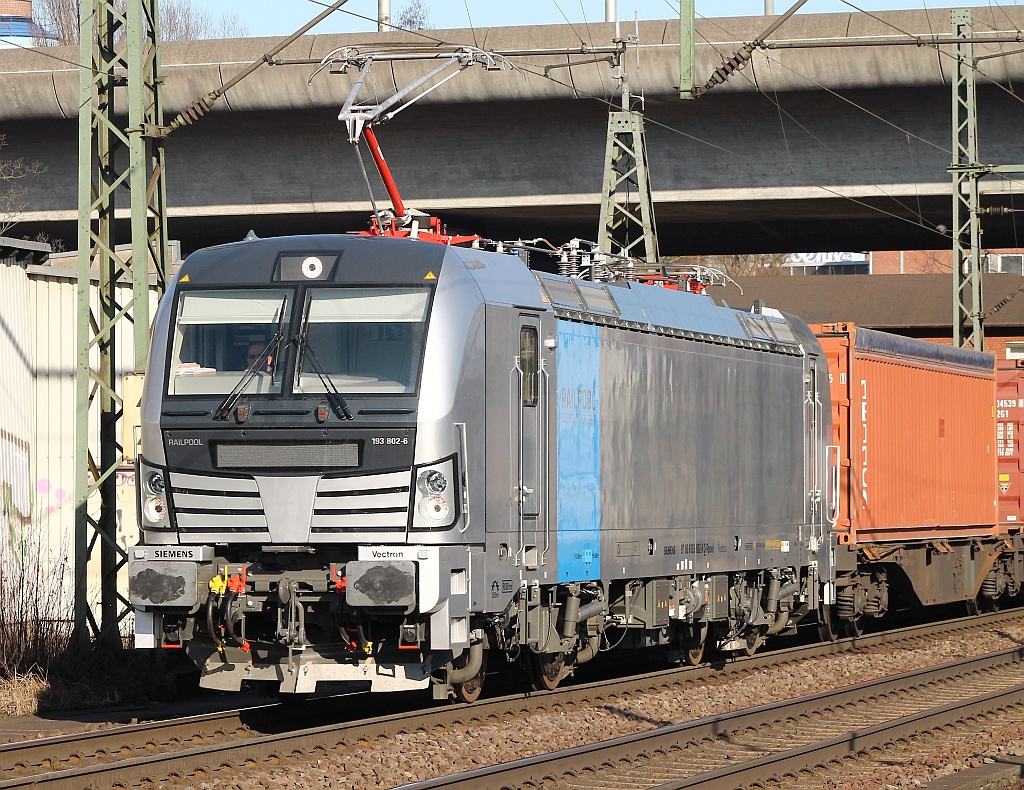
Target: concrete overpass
806,149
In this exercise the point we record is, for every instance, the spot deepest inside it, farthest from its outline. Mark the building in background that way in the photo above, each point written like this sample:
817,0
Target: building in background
18,27
828,263
1010,261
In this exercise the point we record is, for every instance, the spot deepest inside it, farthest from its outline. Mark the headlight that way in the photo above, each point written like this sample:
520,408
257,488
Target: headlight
434,508
152,497
155,482
434,498
433,482
154,510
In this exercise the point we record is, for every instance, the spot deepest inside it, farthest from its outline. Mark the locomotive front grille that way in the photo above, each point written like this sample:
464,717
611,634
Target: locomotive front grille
367,503
213,505
205,504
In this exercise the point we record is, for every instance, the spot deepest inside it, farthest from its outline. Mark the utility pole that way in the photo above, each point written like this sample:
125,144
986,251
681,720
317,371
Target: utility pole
967,171
626,227
113,155
686,14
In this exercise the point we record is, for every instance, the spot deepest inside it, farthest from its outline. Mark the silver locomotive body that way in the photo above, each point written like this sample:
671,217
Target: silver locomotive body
386,462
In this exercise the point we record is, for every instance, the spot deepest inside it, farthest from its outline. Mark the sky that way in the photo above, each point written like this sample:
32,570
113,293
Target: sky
282,17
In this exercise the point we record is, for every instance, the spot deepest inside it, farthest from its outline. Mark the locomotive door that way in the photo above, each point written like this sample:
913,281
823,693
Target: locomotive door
814,442
530,405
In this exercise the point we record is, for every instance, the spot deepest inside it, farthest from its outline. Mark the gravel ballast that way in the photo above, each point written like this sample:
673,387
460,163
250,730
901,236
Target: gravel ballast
421,755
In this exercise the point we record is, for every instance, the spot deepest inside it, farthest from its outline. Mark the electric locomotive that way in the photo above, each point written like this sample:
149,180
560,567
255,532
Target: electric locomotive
386,464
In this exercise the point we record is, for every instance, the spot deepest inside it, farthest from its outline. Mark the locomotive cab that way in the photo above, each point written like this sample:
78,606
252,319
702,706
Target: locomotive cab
300,478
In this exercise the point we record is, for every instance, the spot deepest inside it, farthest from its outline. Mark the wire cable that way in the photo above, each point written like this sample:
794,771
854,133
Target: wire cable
782,121
834,93
1003,176
781,111
471,28
717,147
570,24
586,23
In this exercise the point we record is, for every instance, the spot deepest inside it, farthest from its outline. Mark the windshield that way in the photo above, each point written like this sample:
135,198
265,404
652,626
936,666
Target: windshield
218,334
366,340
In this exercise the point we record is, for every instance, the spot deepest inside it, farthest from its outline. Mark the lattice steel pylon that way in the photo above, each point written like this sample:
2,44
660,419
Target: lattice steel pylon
627,225
119,48
968,329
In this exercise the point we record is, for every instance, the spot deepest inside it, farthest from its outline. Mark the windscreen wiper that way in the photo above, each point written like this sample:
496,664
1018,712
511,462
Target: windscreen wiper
224,410
334,397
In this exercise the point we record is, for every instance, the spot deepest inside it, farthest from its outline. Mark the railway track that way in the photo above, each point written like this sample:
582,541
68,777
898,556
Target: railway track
198,747
777,745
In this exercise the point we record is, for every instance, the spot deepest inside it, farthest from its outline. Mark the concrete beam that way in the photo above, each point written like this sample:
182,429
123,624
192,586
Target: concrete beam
509,155
42,84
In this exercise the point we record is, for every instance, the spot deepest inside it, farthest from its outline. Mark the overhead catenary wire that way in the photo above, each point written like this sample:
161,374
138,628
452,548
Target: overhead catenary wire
586,22
472,29
974,66
742,56
613,105
834,192
837,95
935,43
337,6
204,104
782,111
570,24
715,146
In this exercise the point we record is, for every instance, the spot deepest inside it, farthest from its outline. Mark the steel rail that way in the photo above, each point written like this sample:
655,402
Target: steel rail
40,760
547,770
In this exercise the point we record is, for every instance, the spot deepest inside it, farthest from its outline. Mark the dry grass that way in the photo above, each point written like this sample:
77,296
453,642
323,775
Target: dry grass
20,695
84,678
41,667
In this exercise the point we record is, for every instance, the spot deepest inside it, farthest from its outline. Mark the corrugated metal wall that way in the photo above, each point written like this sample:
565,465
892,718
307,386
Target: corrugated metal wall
54,310
37,428
17,411
53,327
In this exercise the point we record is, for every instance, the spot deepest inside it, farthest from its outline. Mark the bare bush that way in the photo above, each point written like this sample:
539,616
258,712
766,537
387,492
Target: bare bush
180,20
414,16
13,172
737,265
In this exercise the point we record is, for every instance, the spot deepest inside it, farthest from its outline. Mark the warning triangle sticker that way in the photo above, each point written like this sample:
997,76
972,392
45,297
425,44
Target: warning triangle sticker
185,279
430,276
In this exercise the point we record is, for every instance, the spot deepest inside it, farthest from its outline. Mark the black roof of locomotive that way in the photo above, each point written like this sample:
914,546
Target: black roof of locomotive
363,259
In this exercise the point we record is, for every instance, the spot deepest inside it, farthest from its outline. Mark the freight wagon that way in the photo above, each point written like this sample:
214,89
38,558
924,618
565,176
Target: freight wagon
914,428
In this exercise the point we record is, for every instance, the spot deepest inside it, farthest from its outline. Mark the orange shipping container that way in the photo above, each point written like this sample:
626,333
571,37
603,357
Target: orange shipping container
915,425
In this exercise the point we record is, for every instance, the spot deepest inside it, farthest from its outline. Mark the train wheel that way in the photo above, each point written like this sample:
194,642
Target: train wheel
546,670
469,691
828,631
694,655
755,639
693,644
853,628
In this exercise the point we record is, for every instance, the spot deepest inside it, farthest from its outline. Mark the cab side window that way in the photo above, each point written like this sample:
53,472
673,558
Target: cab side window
528,363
